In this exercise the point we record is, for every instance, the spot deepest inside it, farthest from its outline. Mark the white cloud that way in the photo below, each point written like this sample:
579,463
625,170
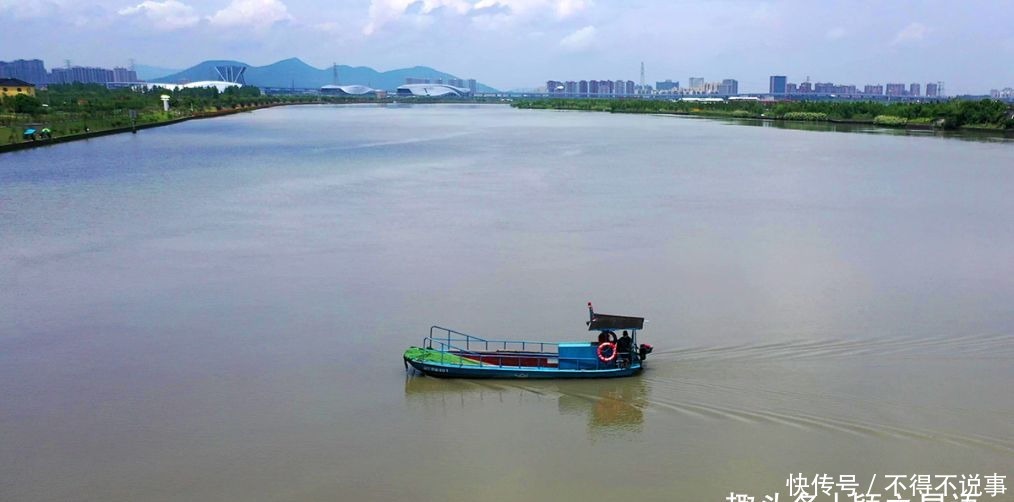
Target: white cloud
164,15
385,11
488,13
835,33
914,32
566,8
256,14
579,40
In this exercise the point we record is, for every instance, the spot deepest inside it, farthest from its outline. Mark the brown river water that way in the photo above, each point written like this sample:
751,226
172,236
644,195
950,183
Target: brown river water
216,310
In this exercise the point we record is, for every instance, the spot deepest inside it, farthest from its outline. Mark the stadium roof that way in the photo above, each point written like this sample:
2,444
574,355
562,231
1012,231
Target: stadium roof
352,90
434,90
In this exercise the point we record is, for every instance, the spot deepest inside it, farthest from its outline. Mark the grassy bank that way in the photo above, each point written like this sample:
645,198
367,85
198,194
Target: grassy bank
80,111
93,133
956,114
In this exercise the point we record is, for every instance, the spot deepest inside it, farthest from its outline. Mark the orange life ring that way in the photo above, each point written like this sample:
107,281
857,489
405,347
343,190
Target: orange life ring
602,347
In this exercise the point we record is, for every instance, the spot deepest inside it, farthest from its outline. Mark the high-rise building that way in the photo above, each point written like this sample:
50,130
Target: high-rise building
805,88
619,88
82,74
32,71
777,84
876,90
823,87
913,90
932,90
728,87
630,88
895,89
571,87
124,75
582,88
696,83
667,85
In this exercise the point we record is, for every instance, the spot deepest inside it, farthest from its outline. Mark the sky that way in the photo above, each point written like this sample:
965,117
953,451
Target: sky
516,44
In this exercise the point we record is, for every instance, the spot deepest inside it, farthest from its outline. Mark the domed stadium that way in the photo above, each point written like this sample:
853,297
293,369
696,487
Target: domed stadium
431,90
347,90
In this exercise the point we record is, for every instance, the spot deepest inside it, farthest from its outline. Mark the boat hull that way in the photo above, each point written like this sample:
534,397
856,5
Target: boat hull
519,372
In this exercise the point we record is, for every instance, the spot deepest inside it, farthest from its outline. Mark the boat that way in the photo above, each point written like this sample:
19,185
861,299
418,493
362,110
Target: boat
446,353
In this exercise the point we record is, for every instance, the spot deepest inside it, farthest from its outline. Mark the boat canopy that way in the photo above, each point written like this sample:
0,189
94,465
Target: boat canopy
604,322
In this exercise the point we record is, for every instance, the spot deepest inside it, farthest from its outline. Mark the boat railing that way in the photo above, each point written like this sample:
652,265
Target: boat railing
522,353
464,341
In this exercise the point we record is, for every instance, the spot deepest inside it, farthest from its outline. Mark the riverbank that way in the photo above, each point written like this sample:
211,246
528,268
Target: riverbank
978,116
85,125
25,145
71,112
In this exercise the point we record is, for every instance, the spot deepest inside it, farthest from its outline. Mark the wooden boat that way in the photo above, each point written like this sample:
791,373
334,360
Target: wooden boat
447,353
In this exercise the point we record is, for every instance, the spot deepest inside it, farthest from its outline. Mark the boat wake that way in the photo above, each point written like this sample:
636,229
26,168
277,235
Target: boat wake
998,346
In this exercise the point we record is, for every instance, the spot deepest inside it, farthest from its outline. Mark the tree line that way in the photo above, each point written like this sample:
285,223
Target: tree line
952,114
75,108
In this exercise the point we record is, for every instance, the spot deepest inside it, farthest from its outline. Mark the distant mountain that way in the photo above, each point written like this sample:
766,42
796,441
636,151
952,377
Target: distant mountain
145,72
293,72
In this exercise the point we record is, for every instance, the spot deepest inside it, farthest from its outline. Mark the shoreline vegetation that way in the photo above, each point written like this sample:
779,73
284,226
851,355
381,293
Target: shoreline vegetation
954,115
72,112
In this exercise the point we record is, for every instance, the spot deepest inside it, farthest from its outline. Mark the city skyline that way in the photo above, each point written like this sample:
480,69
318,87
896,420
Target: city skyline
34,71
516,43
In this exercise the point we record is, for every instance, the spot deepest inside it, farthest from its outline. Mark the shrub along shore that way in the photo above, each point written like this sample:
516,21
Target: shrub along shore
986,114
80,111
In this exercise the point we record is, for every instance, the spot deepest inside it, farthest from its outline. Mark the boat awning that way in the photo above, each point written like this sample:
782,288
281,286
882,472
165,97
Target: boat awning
603,322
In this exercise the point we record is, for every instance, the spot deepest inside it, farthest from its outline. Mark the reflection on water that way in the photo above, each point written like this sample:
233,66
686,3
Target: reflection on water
617,404
608,405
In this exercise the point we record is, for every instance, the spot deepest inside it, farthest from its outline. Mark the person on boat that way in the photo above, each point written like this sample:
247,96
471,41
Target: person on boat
607,336
623,346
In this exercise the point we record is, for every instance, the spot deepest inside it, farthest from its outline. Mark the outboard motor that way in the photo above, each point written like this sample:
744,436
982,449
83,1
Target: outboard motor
645,350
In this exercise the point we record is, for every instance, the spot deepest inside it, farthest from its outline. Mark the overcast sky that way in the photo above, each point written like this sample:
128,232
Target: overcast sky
968,45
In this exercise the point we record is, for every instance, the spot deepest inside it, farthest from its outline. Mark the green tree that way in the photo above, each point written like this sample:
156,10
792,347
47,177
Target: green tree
23,103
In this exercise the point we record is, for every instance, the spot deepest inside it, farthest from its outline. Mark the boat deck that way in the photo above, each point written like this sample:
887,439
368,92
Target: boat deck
449,353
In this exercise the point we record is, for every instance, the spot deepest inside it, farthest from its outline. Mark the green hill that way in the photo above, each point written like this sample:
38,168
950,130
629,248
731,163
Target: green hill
145,72
293,72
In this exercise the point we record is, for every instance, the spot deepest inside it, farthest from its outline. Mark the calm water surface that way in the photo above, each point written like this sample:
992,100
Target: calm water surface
216,310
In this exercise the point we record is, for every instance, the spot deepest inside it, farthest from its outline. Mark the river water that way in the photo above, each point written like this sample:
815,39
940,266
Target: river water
216,310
